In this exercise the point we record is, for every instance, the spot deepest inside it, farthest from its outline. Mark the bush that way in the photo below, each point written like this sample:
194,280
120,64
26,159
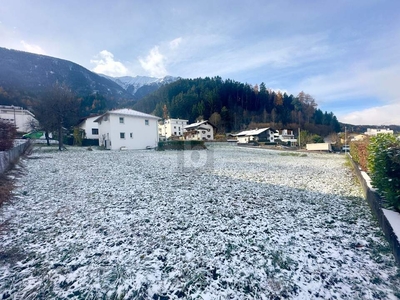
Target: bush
384,167
8,132
359,153
180,145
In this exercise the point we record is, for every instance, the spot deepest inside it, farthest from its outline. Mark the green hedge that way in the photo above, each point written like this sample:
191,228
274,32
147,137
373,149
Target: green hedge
180,145
384,167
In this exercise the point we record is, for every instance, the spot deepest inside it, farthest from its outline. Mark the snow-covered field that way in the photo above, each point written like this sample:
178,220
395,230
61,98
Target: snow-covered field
223,223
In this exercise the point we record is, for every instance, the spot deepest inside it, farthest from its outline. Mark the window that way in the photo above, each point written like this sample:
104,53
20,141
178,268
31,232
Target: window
95,131
174,127
209,136
146,122
121,120
131,135
122,135
175,133
203,131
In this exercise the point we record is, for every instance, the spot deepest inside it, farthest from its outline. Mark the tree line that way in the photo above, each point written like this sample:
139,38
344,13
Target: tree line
232,106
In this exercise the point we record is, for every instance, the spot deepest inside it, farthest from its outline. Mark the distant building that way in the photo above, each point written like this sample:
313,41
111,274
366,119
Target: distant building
22,118
263,135
171,127
376,131
89,127
202,131
127,129
286,136
357,137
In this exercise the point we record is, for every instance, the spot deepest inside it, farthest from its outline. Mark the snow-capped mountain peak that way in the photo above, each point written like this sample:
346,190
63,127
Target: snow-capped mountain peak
139,86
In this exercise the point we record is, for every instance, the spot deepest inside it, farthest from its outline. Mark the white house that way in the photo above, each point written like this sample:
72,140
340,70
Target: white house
265,135
286,136
376,131
22,118
202,131
90,127
127,129
171,127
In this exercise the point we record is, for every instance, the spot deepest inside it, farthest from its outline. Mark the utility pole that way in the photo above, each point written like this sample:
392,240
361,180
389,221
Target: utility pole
345,140
15,121
299,139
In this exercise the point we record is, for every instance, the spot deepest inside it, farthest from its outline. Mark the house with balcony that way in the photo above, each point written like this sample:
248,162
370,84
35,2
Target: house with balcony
171,128
286,136
200,131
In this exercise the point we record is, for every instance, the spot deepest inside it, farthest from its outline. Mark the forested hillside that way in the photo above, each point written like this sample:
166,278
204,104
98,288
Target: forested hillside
233,106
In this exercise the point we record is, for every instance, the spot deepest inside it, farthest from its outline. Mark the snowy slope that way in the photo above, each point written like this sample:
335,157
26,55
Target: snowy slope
223,223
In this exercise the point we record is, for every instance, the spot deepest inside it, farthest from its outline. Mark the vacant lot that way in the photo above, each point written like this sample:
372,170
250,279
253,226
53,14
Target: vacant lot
224,223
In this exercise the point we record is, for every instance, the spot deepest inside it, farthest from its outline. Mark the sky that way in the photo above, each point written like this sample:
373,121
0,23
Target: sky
346,54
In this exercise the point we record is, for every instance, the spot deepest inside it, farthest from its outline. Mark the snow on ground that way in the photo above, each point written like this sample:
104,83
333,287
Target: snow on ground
223,223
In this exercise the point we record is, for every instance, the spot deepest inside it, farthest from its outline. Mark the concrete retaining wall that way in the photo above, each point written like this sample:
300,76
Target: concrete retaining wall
12,155
375,203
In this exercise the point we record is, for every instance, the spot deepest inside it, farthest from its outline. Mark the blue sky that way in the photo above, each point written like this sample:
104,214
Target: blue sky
346,54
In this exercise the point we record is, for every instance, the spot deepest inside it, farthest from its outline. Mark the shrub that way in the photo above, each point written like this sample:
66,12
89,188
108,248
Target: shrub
359,153
8,132
180,145
384,167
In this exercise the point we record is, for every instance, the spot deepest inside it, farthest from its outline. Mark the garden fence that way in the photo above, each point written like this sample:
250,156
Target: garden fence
11,156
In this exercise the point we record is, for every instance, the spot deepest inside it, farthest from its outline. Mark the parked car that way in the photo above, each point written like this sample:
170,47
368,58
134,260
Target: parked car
346,148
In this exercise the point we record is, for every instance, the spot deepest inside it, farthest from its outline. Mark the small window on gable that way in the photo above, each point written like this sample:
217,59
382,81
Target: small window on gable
146,122
121,120
95,131
122,135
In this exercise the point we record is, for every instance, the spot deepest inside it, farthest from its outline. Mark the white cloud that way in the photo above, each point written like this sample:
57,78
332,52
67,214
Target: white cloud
174,44
380,115
105,64
32,48
154,63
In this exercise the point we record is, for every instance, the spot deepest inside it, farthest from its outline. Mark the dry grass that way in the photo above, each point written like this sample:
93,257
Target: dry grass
7,184
6,188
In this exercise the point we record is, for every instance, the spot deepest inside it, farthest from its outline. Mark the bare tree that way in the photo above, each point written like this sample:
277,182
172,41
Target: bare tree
58,109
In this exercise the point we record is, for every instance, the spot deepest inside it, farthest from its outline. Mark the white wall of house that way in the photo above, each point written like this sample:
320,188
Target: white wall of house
90,127
243,139
118,129
172,127
22,118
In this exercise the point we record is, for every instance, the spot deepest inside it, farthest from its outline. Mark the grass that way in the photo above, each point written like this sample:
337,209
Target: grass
293,154
6,188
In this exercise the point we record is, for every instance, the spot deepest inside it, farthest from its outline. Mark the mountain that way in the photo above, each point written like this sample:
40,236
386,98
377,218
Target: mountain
27,73
140,86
